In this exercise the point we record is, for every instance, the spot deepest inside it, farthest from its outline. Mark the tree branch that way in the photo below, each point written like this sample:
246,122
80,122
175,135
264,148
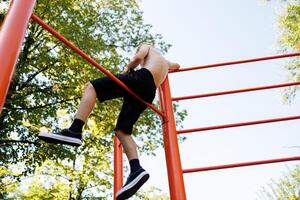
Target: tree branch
30,78
44,90
1,18
18,141
120,46
49,88
38,43
44,106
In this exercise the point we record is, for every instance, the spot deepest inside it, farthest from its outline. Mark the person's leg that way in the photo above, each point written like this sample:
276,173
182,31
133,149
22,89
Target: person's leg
102,89
87,102
73,136
138,176
130,149
129,145
85,108
129,114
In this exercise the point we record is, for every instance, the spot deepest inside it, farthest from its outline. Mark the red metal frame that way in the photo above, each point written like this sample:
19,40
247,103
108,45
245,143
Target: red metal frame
118,166
238,124
222,64
176,183
235,91
11,37
244,164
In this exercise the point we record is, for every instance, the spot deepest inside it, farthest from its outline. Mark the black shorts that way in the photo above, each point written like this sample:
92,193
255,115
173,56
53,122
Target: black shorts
140,82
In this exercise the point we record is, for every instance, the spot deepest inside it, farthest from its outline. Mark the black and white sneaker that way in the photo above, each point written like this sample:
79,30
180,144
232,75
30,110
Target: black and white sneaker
134,182
65,136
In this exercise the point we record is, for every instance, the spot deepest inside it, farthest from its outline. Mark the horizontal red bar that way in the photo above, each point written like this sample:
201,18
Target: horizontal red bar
235,91
238,124
236,62
91,61
260,162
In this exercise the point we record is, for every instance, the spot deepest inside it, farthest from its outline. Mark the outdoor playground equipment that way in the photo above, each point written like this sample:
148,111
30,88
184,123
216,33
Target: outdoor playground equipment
11,36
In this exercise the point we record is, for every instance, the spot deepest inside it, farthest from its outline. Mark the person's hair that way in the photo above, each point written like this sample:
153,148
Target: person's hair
141,44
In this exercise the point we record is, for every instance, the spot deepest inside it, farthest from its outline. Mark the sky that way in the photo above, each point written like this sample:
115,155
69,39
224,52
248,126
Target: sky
205,32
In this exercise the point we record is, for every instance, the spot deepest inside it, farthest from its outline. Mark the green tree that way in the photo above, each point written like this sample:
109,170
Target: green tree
37,189
8,181
55,180
152,193
289,23
287,188
47,86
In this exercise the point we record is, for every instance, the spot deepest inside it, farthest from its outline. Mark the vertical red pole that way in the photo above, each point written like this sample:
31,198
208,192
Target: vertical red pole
175,175
12,34
118,166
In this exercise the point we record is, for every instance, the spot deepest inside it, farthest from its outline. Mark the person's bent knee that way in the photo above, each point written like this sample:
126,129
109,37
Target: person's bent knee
89,87
119,134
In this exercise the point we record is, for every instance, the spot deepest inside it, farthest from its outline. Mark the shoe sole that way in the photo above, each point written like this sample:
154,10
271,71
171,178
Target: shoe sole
130,189
59,139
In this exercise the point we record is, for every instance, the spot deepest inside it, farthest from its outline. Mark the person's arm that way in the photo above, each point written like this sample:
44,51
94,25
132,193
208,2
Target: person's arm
173,66
137,58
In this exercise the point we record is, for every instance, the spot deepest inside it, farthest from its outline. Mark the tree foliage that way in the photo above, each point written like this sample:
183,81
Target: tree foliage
289,23
152,193
287,188
59,180
8,181
46,89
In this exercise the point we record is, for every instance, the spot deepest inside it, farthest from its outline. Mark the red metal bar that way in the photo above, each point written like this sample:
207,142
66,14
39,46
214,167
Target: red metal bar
236,62
235,91
161,103
176,183
92,61
118,166
260,162
238,124
11,37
